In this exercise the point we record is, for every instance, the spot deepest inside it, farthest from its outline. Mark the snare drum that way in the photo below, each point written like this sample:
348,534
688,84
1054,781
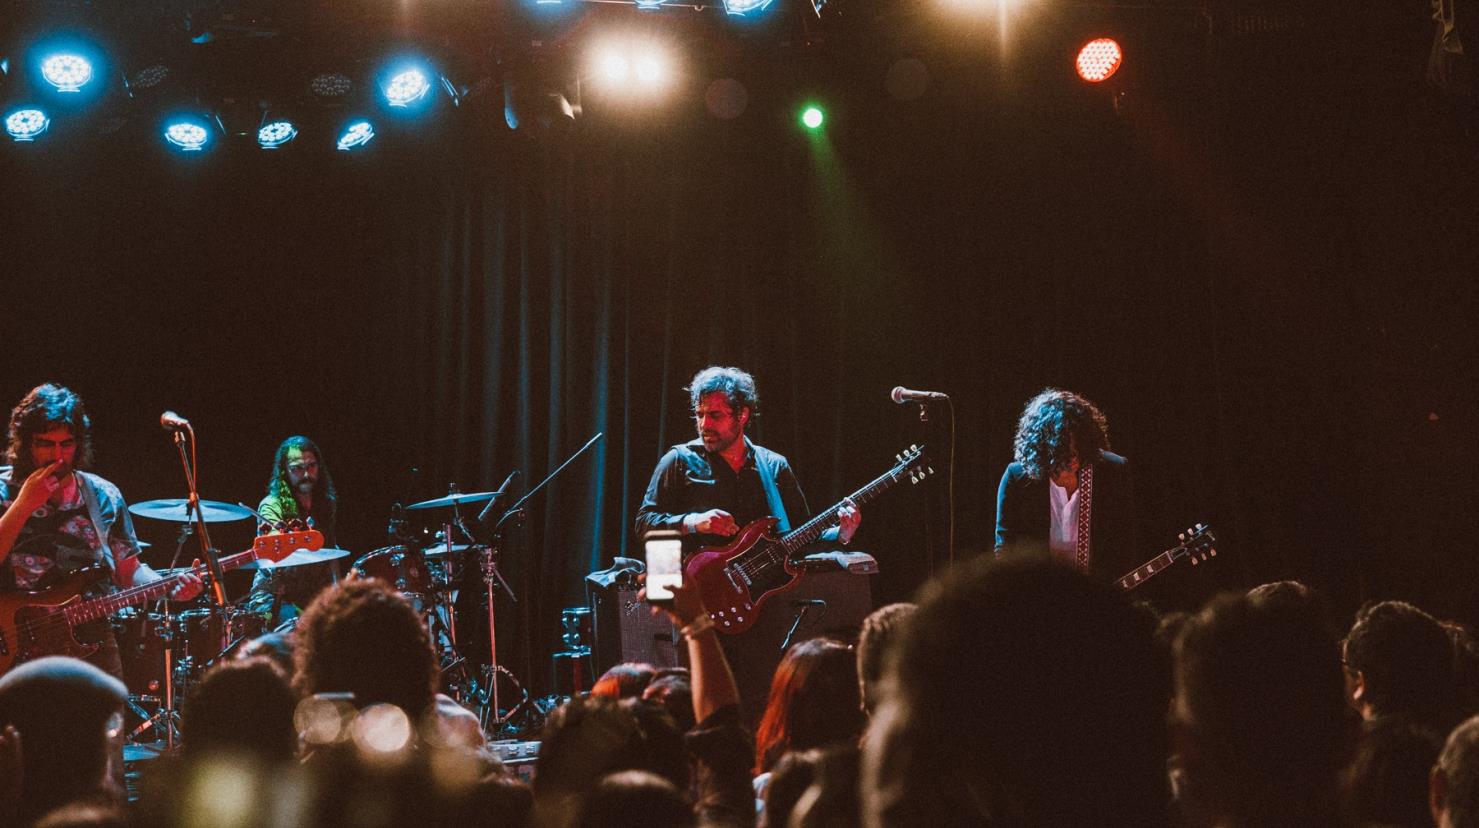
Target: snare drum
402,567
200,631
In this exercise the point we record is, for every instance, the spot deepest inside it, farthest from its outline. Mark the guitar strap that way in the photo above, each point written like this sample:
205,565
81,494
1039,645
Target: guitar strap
1085,515
90,497
765,464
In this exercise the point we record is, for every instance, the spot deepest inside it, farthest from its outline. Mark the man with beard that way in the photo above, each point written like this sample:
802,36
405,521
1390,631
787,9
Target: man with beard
57,518
301,489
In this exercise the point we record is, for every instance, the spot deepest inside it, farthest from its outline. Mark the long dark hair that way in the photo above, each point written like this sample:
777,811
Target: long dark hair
1054,426
813,702
279,489
47,406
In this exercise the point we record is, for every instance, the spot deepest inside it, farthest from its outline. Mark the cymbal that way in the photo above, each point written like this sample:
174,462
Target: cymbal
303,557
175,509
454,500
439,550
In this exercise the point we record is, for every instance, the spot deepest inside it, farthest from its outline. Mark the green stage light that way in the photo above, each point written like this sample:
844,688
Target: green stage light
812,117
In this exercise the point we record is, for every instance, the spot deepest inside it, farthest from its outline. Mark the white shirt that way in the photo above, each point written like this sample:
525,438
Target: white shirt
1063,523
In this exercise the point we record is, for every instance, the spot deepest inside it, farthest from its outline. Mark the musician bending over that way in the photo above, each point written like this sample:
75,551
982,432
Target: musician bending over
56,518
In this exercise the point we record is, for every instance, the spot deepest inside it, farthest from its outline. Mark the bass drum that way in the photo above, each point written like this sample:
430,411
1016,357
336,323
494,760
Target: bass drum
404,568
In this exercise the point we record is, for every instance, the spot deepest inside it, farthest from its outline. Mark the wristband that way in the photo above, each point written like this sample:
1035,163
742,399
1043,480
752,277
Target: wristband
698,627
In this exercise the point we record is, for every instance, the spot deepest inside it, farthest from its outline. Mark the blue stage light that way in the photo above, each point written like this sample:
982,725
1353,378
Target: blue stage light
275,134
739,8
356,134
189,136
407,87
67,71
26,124
649,5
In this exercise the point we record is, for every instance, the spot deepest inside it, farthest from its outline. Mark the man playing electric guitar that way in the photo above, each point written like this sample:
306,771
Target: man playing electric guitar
56,519
709,488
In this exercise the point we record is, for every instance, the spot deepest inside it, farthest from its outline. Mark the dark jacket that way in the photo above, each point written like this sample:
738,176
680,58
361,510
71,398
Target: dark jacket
1023,512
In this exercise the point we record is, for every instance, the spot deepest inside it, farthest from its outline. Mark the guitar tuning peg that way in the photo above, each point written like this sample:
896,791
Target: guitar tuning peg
930,470
1193,559
1212,552
914,447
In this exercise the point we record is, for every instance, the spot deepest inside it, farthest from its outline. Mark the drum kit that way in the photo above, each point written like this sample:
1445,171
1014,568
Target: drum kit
164,654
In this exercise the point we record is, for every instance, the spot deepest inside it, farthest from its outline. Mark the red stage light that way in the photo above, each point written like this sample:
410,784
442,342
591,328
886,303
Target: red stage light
1099,59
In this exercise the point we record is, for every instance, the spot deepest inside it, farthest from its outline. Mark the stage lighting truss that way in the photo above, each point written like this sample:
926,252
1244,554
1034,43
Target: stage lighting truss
26,124
355,134
66,71
1099,59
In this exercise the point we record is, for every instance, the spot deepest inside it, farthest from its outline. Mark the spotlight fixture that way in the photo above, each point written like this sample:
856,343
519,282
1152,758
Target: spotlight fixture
356,134
66,71
649,5
330,85
274,134
149,76
26,124
1099,59
649,69
812,117
740,8
406,87
188,135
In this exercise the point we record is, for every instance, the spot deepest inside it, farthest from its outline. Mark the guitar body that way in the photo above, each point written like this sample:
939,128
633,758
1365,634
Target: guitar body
31,624
732,586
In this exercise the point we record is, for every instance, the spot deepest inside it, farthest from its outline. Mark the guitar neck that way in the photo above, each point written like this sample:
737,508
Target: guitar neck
109,604
812,529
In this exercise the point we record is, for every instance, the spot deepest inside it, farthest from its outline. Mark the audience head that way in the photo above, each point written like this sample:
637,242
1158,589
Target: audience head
1261,724
674,692
587,739
363,637
1465,667
277,646
636,799
880,630
1399,661
1453,792
815,788
624,681
68,714
1387,783
242,707
1023,693
813,701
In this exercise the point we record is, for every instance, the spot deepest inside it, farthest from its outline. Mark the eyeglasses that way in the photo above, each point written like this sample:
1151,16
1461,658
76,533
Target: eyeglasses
302,467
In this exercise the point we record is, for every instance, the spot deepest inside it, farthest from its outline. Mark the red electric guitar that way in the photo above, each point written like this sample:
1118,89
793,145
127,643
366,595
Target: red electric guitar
736,580
35,624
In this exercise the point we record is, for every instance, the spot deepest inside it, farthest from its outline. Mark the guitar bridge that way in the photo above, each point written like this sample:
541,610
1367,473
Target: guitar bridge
729,573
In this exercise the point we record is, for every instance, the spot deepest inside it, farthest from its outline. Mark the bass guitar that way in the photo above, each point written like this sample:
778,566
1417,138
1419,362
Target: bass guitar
35,624
737,579
1196,544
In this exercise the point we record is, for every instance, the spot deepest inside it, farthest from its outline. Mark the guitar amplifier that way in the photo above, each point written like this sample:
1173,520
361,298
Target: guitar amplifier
626,630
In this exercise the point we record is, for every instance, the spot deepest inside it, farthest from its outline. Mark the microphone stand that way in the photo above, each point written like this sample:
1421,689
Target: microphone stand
218,589
493,578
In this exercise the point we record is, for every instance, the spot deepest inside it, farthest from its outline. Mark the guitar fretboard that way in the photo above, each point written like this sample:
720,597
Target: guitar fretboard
109,604
1147,569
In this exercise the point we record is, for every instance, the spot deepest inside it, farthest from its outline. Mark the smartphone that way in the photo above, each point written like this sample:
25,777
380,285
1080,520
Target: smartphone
664,566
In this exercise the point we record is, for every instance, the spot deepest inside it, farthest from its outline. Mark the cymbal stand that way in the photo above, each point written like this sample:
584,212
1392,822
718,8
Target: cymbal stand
491,578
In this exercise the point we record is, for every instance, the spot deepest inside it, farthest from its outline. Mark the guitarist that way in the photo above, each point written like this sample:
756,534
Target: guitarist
56,518
1066,494
709,488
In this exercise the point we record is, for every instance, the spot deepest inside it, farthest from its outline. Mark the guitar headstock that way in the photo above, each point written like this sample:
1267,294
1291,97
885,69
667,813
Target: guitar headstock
913,461
277,546
1198,543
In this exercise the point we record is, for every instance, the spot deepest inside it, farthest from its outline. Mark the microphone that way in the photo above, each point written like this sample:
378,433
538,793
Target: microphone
170,421
902,395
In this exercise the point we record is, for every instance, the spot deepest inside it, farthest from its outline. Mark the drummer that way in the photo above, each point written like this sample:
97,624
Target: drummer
300,489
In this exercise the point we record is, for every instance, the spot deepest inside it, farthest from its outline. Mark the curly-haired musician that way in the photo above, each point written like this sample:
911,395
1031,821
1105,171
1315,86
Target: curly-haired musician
56,518
1066,494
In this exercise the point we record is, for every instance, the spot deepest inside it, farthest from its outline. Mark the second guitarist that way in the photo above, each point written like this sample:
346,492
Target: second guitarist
56,519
